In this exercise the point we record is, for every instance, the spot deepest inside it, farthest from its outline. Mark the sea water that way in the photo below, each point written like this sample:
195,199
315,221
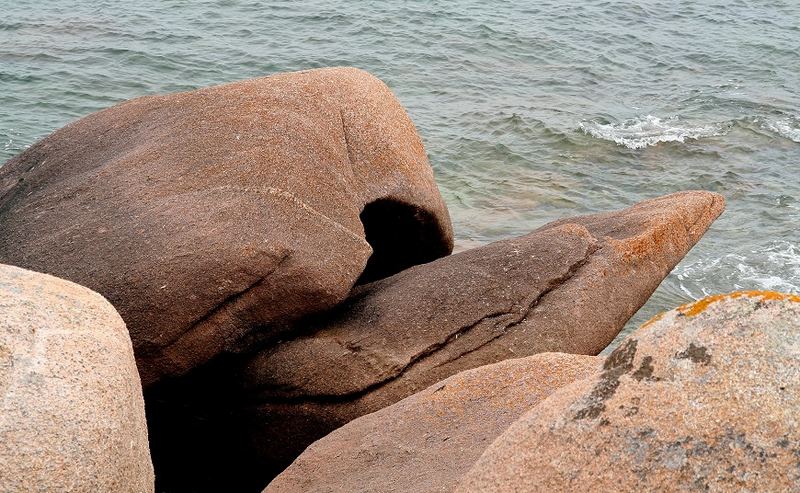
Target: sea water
530,111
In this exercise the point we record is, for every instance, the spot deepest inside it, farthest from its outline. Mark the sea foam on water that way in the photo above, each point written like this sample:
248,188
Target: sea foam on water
785,127
774,267
649,130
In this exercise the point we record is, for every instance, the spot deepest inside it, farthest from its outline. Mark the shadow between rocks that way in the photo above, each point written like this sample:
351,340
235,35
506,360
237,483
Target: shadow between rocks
189,416
401,235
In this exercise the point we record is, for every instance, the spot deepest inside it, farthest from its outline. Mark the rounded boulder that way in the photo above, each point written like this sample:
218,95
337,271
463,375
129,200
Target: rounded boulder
205,215
71,407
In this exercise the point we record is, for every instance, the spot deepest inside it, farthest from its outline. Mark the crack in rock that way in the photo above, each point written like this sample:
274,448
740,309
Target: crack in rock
508,320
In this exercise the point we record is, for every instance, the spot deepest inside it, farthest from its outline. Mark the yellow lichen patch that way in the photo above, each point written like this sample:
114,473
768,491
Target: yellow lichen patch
653,320
697,307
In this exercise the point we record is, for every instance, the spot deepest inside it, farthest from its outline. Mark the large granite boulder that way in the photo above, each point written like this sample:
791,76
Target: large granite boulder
429,440
704,398
204,214
71,408
567,287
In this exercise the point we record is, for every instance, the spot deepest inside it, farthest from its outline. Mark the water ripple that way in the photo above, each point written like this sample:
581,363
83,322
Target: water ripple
529,112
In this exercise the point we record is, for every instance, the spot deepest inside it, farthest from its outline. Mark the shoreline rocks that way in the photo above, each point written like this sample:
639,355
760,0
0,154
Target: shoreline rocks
71,408
566,287
429,440
206,214
280,252
704,397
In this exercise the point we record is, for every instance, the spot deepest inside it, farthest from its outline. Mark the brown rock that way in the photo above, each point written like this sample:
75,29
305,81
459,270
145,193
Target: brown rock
704,398
71,408
203,214
429,440
567,287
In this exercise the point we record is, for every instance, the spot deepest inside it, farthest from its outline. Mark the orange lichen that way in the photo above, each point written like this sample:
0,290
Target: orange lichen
653,320
643,245
697,307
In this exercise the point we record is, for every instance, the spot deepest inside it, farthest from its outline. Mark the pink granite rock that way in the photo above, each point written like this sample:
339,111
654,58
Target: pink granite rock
71,408
205,215
704,398
427,441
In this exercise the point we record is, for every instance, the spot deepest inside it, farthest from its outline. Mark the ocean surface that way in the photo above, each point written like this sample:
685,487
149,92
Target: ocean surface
530,111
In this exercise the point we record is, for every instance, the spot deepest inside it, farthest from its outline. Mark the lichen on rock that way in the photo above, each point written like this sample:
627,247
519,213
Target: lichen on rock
699,399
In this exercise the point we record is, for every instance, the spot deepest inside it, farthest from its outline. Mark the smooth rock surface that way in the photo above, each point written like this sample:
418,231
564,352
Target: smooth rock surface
204,214
429,440
71,408
569,286
704,398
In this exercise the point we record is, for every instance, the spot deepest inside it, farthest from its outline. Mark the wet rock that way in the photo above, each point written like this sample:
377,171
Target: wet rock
71,408
428,441
566,287
204,214
704,398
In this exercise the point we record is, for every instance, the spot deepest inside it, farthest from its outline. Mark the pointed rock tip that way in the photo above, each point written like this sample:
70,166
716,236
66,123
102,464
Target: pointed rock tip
691,212
697,209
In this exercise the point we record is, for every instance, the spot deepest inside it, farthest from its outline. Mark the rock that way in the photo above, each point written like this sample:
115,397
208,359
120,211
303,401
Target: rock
71,408
704,398
204,214
429,440
567,287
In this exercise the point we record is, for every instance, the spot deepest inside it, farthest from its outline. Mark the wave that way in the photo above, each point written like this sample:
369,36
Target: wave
649,130
788,128
774,267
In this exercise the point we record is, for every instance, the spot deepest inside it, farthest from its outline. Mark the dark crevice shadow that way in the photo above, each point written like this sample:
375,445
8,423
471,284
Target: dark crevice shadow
198,435
401,235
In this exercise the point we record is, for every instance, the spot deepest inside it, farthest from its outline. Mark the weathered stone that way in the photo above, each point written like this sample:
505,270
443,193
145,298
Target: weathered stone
71,408
704,398
568,287
428,441
204,214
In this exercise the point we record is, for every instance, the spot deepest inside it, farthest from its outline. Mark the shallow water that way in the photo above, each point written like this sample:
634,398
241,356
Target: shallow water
529,113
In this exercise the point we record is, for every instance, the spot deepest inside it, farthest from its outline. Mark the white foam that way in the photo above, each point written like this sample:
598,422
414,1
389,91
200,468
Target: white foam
785,127
649,130
774,267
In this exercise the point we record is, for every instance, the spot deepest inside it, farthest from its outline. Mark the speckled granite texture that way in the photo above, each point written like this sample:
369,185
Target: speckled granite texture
71,408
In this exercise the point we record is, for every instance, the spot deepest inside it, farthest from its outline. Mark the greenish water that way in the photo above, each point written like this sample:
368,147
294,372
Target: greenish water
529,113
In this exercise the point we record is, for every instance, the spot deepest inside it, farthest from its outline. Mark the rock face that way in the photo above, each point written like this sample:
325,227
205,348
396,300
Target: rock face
567,287
705,398
428,441
204,214
71,408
